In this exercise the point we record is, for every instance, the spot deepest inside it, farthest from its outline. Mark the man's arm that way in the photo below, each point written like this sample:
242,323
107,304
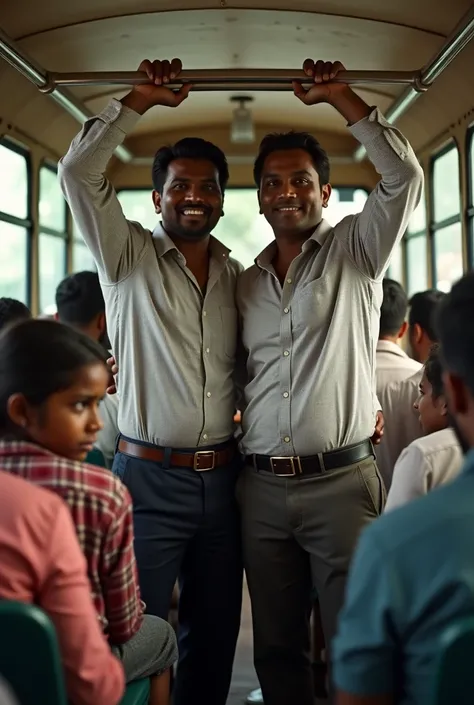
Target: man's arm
373,234
118,573
116,244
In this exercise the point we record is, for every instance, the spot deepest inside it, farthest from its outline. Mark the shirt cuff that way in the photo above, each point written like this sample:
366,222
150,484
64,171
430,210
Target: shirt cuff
119,115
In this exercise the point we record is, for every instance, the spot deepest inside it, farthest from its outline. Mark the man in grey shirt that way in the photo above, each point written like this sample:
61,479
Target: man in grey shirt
172,319
310,311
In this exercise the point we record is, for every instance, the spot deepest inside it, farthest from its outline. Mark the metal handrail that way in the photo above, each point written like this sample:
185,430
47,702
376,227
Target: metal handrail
226,79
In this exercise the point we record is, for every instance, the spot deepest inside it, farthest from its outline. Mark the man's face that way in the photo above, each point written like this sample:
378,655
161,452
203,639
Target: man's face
290,196
192,200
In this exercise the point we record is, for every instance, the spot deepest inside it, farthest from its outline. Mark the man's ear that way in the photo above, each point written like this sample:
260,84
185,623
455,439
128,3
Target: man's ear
156,201
326,193
403,330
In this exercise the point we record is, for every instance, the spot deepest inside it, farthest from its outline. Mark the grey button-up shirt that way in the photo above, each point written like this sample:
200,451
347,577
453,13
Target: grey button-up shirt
175,348
311,342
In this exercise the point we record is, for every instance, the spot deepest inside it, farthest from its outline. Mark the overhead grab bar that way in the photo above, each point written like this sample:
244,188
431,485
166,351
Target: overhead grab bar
229,79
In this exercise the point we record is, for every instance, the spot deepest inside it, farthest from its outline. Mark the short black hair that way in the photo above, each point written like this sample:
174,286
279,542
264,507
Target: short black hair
454,322
423,306
11,311
434,370
188,148
278,141
394,307
39,358
79,298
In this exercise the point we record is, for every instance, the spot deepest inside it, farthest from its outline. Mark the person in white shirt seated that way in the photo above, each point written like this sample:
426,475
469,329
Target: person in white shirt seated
392,364
80,303
435,458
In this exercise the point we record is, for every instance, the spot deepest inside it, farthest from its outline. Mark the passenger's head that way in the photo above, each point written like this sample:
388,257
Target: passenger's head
12,311
292,176
80,303
393,311
52,378
189,180
421,316
455,327
431,403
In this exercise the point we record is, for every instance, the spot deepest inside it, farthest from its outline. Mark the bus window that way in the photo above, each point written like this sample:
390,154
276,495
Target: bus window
470,196
82,259
417,250
52,238
14,223
446,218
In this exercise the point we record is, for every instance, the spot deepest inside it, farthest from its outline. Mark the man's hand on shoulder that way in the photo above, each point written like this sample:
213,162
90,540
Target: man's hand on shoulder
147,95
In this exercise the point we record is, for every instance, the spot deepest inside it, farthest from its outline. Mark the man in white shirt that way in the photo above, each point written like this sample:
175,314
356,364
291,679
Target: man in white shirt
397,399
80,303
436,458
392,364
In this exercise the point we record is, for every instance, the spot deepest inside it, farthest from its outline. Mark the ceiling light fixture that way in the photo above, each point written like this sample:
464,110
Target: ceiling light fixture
242,130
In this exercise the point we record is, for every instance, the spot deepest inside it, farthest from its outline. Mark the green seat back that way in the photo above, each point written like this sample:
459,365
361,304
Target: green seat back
30,661
29,655
137,693
455,669
95,457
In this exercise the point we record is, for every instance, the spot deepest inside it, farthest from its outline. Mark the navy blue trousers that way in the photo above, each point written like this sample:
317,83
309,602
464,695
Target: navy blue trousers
187,527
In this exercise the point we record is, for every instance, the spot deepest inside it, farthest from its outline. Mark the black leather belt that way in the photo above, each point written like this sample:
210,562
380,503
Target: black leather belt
313,464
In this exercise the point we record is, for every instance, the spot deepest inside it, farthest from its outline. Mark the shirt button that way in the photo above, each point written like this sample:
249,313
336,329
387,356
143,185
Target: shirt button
208,350
286,353
287,439
286,310
204,313
208,394
288,281
286,395
205,436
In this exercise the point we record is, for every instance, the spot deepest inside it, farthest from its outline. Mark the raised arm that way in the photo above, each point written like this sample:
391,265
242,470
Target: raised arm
370,237
115,243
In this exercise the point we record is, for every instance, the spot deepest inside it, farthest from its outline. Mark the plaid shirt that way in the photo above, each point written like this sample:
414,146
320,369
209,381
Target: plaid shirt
102,513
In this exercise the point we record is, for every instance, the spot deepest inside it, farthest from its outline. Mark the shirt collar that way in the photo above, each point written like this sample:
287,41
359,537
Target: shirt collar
390,347
163,244
319,236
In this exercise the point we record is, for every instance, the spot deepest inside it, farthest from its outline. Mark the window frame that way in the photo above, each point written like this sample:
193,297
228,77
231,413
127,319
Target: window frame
470,195
48,230
433,226
26,223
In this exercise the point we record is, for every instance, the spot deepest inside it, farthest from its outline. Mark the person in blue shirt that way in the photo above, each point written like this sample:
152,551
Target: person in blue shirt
413,571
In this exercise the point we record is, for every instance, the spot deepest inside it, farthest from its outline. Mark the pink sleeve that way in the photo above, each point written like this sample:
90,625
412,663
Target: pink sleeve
93,674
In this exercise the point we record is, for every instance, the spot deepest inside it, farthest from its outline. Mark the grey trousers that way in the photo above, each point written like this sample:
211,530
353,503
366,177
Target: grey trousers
299,533
150,652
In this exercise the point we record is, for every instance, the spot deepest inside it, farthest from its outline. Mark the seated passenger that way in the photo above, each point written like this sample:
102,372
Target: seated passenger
392,364
52,379
80,303
436,458
12,311
412,573
42,564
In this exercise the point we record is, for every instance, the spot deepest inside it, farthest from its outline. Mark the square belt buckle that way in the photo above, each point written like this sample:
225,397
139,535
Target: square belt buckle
204,454
292,461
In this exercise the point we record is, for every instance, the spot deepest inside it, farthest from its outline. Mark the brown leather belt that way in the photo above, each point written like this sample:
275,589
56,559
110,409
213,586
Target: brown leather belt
311,465
201,460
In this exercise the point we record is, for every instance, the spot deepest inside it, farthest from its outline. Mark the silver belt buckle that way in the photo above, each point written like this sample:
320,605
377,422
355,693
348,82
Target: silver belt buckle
201,453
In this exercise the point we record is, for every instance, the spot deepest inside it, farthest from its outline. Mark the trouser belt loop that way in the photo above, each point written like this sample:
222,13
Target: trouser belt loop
166,462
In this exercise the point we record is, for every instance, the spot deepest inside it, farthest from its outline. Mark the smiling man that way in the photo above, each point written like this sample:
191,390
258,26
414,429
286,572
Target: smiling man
170,301
310,319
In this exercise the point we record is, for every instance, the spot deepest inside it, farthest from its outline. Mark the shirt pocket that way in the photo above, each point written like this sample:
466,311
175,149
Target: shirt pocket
229,330
313,305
